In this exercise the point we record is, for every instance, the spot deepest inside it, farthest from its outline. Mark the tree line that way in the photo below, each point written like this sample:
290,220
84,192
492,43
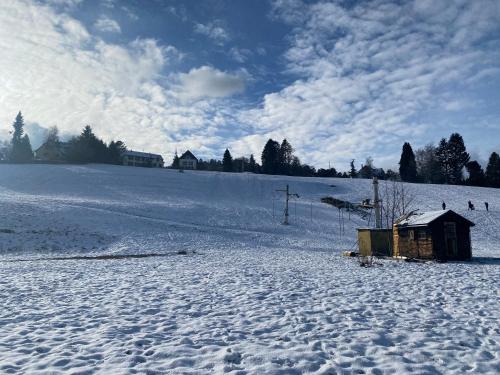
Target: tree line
446,164
441,164
277,159
84,148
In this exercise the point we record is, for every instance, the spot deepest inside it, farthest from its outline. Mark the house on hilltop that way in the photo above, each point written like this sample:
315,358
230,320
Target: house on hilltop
142,159
188,161
50,151
441,235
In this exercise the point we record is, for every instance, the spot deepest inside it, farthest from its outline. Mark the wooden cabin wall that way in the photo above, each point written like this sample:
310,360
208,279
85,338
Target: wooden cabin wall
463,240
414,247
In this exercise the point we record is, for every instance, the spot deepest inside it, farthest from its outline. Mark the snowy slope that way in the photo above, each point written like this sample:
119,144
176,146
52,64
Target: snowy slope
123,209
256,298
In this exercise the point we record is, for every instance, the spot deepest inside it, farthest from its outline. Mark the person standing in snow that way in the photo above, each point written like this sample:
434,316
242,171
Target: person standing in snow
444,205
487,206
471,206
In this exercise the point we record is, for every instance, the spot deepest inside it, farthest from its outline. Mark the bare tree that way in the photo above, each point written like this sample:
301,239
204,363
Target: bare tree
4,150
397,200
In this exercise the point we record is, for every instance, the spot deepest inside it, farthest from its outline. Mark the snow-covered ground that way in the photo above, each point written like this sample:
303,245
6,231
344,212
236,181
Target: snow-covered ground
251,296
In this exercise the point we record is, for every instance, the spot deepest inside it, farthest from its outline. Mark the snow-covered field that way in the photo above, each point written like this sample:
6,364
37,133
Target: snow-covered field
250,297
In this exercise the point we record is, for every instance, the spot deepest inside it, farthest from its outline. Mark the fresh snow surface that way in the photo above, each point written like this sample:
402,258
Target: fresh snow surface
250,297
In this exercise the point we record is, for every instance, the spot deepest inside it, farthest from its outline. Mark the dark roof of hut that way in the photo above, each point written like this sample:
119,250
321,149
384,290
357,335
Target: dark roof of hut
414,219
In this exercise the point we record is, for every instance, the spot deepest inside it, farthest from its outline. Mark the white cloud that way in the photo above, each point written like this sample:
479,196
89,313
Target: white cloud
240,55
107,25
207,82
57,73
214,31
63,3
368,71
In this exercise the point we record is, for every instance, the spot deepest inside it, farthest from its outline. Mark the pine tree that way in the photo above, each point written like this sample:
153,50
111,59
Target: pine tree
175,162
353,173
452,157
20,151
493,171
116,150
227,162
443,158
366,170
87,148
459,157
407,164
270,157
476,174
285,157
428,167
252,165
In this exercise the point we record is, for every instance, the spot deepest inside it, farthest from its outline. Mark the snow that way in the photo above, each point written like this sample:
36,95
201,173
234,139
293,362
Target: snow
250,297
422,218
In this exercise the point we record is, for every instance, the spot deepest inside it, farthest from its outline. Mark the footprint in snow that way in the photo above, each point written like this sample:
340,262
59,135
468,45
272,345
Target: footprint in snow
232,357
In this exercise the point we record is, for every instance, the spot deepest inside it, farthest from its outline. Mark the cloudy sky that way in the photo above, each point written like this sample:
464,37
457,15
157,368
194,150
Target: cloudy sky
339,79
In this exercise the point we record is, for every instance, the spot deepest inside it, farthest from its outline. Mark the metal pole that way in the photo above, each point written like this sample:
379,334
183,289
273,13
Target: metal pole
376,203
286,205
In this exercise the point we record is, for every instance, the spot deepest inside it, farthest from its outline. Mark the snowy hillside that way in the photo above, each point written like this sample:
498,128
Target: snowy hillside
121,209
256,297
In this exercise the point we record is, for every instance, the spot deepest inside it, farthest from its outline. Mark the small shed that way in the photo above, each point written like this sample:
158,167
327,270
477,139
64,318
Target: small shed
441,235
376,242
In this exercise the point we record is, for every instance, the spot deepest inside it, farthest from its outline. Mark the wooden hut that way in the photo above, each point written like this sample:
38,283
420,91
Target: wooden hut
441,235
376,242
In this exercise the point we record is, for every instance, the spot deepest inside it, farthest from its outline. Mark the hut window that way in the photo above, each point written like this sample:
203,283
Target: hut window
422,234
450,230
412,234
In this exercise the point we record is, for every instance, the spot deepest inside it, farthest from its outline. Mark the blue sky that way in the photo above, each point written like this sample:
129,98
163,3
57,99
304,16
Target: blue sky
338,79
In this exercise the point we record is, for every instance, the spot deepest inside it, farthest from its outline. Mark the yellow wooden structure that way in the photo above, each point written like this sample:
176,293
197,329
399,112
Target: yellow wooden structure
375,242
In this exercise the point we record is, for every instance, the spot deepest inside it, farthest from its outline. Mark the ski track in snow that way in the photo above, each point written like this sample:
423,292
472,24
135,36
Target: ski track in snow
255,298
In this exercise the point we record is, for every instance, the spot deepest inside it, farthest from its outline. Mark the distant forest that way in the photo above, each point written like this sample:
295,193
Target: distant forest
447,163
84,148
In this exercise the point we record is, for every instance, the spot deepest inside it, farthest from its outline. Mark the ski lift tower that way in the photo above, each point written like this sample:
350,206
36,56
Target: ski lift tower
288,195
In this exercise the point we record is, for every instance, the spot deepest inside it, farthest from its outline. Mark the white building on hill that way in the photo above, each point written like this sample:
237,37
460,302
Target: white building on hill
142,159
188,161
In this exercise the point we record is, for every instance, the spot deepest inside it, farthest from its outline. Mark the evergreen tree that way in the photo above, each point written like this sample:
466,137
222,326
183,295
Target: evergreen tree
391,175
366,170
353,173
295,167
428,167
241,164
270,157
493,171
459,157
330,172
116,150
285,157
252,165
87,148
227,162
176,164
52,145
407,164
452,157
20,151
476,174
443,158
